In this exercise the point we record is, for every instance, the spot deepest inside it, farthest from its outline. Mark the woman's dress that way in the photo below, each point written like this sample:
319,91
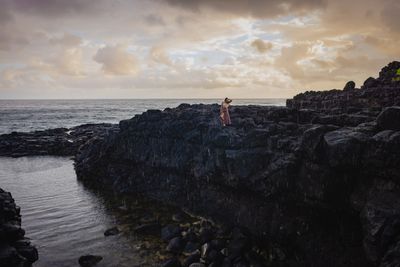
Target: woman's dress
224,114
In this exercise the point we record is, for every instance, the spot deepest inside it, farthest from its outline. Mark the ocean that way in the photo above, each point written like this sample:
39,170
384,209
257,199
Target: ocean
31,115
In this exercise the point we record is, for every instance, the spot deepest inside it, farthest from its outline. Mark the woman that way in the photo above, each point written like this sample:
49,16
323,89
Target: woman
224,112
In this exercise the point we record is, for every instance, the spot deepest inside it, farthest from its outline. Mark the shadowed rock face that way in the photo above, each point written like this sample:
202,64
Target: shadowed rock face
318,184
15,250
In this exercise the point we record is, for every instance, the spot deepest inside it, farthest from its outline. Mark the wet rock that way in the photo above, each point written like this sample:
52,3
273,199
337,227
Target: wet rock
170,231
193,258
206,234
190,235
148,229
9,256
197,264
112,231
179,217
28,252
174,262
15,249
89,260
176,245
190,248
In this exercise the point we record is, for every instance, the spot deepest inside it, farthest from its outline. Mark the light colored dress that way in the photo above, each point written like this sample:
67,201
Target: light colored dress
224,114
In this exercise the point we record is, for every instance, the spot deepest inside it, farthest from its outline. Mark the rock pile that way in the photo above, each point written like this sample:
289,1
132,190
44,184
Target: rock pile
15,249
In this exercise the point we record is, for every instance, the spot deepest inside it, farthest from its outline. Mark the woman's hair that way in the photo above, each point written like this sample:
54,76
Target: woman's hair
227,100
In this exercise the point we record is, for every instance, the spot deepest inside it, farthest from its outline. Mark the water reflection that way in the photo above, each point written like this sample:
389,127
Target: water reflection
66,220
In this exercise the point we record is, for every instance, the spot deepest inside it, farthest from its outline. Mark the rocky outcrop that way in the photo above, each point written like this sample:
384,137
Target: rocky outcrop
316,181
373,95
15,249
57,142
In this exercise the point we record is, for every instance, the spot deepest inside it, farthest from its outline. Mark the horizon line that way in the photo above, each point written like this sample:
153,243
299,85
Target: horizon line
5,99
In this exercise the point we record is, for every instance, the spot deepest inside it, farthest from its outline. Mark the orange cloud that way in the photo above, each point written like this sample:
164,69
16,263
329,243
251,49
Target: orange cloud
116,60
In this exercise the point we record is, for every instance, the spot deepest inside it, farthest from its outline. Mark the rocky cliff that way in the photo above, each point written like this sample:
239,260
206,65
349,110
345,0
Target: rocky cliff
15,249
316,182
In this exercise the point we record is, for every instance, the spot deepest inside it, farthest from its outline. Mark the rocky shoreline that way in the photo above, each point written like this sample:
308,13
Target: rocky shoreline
15,249
316,180
315,183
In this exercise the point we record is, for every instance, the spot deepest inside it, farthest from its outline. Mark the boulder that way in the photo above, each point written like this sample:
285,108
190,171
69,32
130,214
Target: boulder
89,260
112,231
350,85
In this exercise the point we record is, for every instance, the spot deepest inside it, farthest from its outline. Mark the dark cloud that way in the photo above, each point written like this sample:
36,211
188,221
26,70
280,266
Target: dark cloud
391,16
5,13
66,40
52,8
261,46
154,20
255,8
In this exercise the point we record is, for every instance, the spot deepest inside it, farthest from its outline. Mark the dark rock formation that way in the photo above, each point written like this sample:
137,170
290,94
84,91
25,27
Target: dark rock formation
57,142
89,260
15,249
349,86
112,231
317,182
374,94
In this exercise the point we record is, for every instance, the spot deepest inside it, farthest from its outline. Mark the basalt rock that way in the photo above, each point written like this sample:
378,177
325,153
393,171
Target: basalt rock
15,249
374,95
317,182
350,85
57,142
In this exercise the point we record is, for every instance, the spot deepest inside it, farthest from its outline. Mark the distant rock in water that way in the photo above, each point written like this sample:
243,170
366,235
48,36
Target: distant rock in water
89,260
317,181
15,249
57,142
112,231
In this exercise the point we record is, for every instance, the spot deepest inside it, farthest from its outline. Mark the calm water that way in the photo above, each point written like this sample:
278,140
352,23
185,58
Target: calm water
65,220
29,115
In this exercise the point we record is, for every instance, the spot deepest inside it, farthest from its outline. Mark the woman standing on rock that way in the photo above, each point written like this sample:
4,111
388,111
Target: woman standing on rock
224,112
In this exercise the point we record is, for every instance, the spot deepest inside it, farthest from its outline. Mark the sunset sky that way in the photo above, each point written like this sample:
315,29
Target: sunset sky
191,49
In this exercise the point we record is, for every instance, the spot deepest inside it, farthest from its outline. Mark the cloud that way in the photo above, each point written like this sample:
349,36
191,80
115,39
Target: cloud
189,48
261,45
56,8
154,20
255,8
390,16
158,54
67,39
116,60
70,62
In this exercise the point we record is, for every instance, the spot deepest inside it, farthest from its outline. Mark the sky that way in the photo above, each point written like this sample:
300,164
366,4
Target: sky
57,49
